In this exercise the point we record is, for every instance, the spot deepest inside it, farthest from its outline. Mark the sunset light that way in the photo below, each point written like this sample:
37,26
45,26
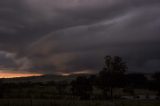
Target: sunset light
14,75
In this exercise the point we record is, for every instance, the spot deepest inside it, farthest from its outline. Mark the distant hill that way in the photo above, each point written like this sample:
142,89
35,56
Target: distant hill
46,78
43,78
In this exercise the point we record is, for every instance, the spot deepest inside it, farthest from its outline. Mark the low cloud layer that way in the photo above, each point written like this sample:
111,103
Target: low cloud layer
50,36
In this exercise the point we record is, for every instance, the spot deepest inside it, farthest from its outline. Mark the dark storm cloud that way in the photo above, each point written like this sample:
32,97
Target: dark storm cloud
75,35
6,60
10,61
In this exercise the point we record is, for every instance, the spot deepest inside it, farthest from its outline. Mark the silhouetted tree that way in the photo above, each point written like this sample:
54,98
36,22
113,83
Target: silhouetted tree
112,75
81,87
136,80
156,76
156,82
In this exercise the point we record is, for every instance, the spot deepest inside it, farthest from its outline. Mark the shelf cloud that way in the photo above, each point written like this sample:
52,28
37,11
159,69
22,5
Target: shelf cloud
50,36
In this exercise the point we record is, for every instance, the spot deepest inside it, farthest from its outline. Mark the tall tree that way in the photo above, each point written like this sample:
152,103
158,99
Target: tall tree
112,75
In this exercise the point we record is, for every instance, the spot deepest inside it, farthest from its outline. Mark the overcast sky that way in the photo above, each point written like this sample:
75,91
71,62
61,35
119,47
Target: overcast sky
49,36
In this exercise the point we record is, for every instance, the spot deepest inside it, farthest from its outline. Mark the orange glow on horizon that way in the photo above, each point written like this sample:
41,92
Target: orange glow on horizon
14,75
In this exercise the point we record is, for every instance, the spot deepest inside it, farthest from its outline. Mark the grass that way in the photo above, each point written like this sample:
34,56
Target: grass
48,102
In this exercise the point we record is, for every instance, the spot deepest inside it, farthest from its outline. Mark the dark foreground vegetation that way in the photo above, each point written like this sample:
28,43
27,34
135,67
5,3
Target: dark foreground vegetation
111,86
47,102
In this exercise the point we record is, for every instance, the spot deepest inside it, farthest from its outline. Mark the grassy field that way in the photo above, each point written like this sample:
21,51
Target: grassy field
59,93
47,102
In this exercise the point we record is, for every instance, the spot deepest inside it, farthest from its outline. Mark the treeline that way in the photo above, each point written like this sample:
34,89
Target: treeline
105,85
